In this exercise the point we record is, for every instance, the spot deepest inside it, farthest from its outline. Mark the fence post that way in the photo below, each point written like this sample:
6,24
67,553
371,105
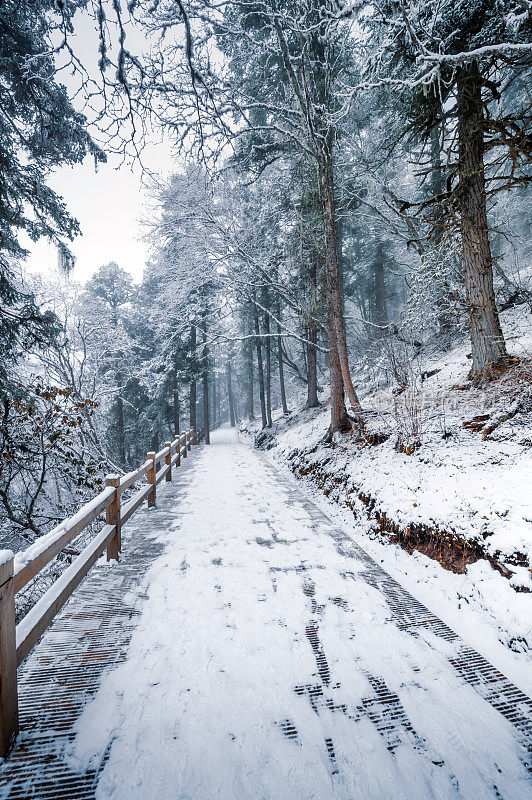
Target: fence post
151,478
185,454
189,434
112,517
9,724
178,459
168,460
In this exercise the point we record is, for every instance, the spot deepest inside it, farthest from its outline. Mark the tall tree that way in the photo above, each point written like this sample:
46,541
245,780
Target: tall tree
460,61
39,130
193,390
276,93
260,367
205,381
111,289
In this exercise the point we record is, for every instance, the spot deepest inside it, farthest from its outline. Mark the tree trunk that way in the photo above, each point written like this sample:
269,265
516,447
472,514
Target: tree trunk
259,368
230,393
339,417
120,421
281,369
339,239
282,388
334,297
249,359
380,311
312,369
214,415
193,391
312,335
268,371
487,341
206,409
175,395
249,370
192,405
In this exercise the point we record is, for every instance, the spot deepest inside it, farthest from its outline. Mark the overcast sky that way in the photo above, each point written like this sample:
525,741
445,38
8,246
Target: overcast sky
108,203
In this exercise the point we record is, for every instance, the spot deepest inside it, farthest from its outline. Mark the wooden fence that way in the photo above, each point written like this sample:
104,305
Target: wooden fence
16,641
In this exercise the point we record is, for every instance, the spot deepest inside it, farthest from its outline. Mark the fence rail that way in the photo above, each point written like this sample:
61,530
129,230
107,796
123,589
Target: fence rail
17,641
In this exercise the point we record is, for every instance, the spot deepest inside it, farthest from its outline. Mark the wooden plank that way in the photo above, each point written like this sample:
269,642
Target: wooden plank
32,561
9,722
29,563
6,565
151,478
129,508
178,449
161,474
132,477
160,455
112,517
31,628
168,460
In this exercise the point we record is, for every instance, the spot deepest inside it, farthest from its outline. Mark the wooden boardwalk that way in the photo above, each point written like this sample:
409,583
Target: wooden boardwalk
92,633
88,637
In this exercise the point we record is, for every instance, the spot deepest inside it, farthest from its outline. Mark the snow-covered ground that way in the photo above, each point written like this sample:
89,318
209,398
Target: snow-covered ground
457,482
266,665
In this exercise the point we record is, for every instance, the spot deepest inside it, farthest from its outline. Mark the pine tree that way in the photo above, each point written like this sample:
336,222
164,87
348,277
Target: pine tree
39,130
460,62
109,293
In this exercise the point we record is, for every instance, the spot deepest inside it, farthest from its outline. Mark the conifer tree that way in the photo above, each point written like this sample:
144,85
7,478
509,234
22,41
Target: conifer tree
39,130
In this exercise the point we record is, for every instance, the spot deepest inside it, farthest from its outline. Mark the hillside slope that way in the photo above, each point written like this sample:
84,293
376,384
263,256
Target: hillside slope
444,470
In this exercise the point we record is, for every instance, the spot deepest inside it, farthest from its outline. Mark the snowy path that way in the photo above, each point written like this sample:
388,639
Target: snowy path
245,648
265,665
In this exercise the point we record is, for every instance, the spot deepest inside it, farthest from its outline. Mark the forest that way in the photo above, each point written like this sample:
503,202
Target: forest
351,197
265,474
